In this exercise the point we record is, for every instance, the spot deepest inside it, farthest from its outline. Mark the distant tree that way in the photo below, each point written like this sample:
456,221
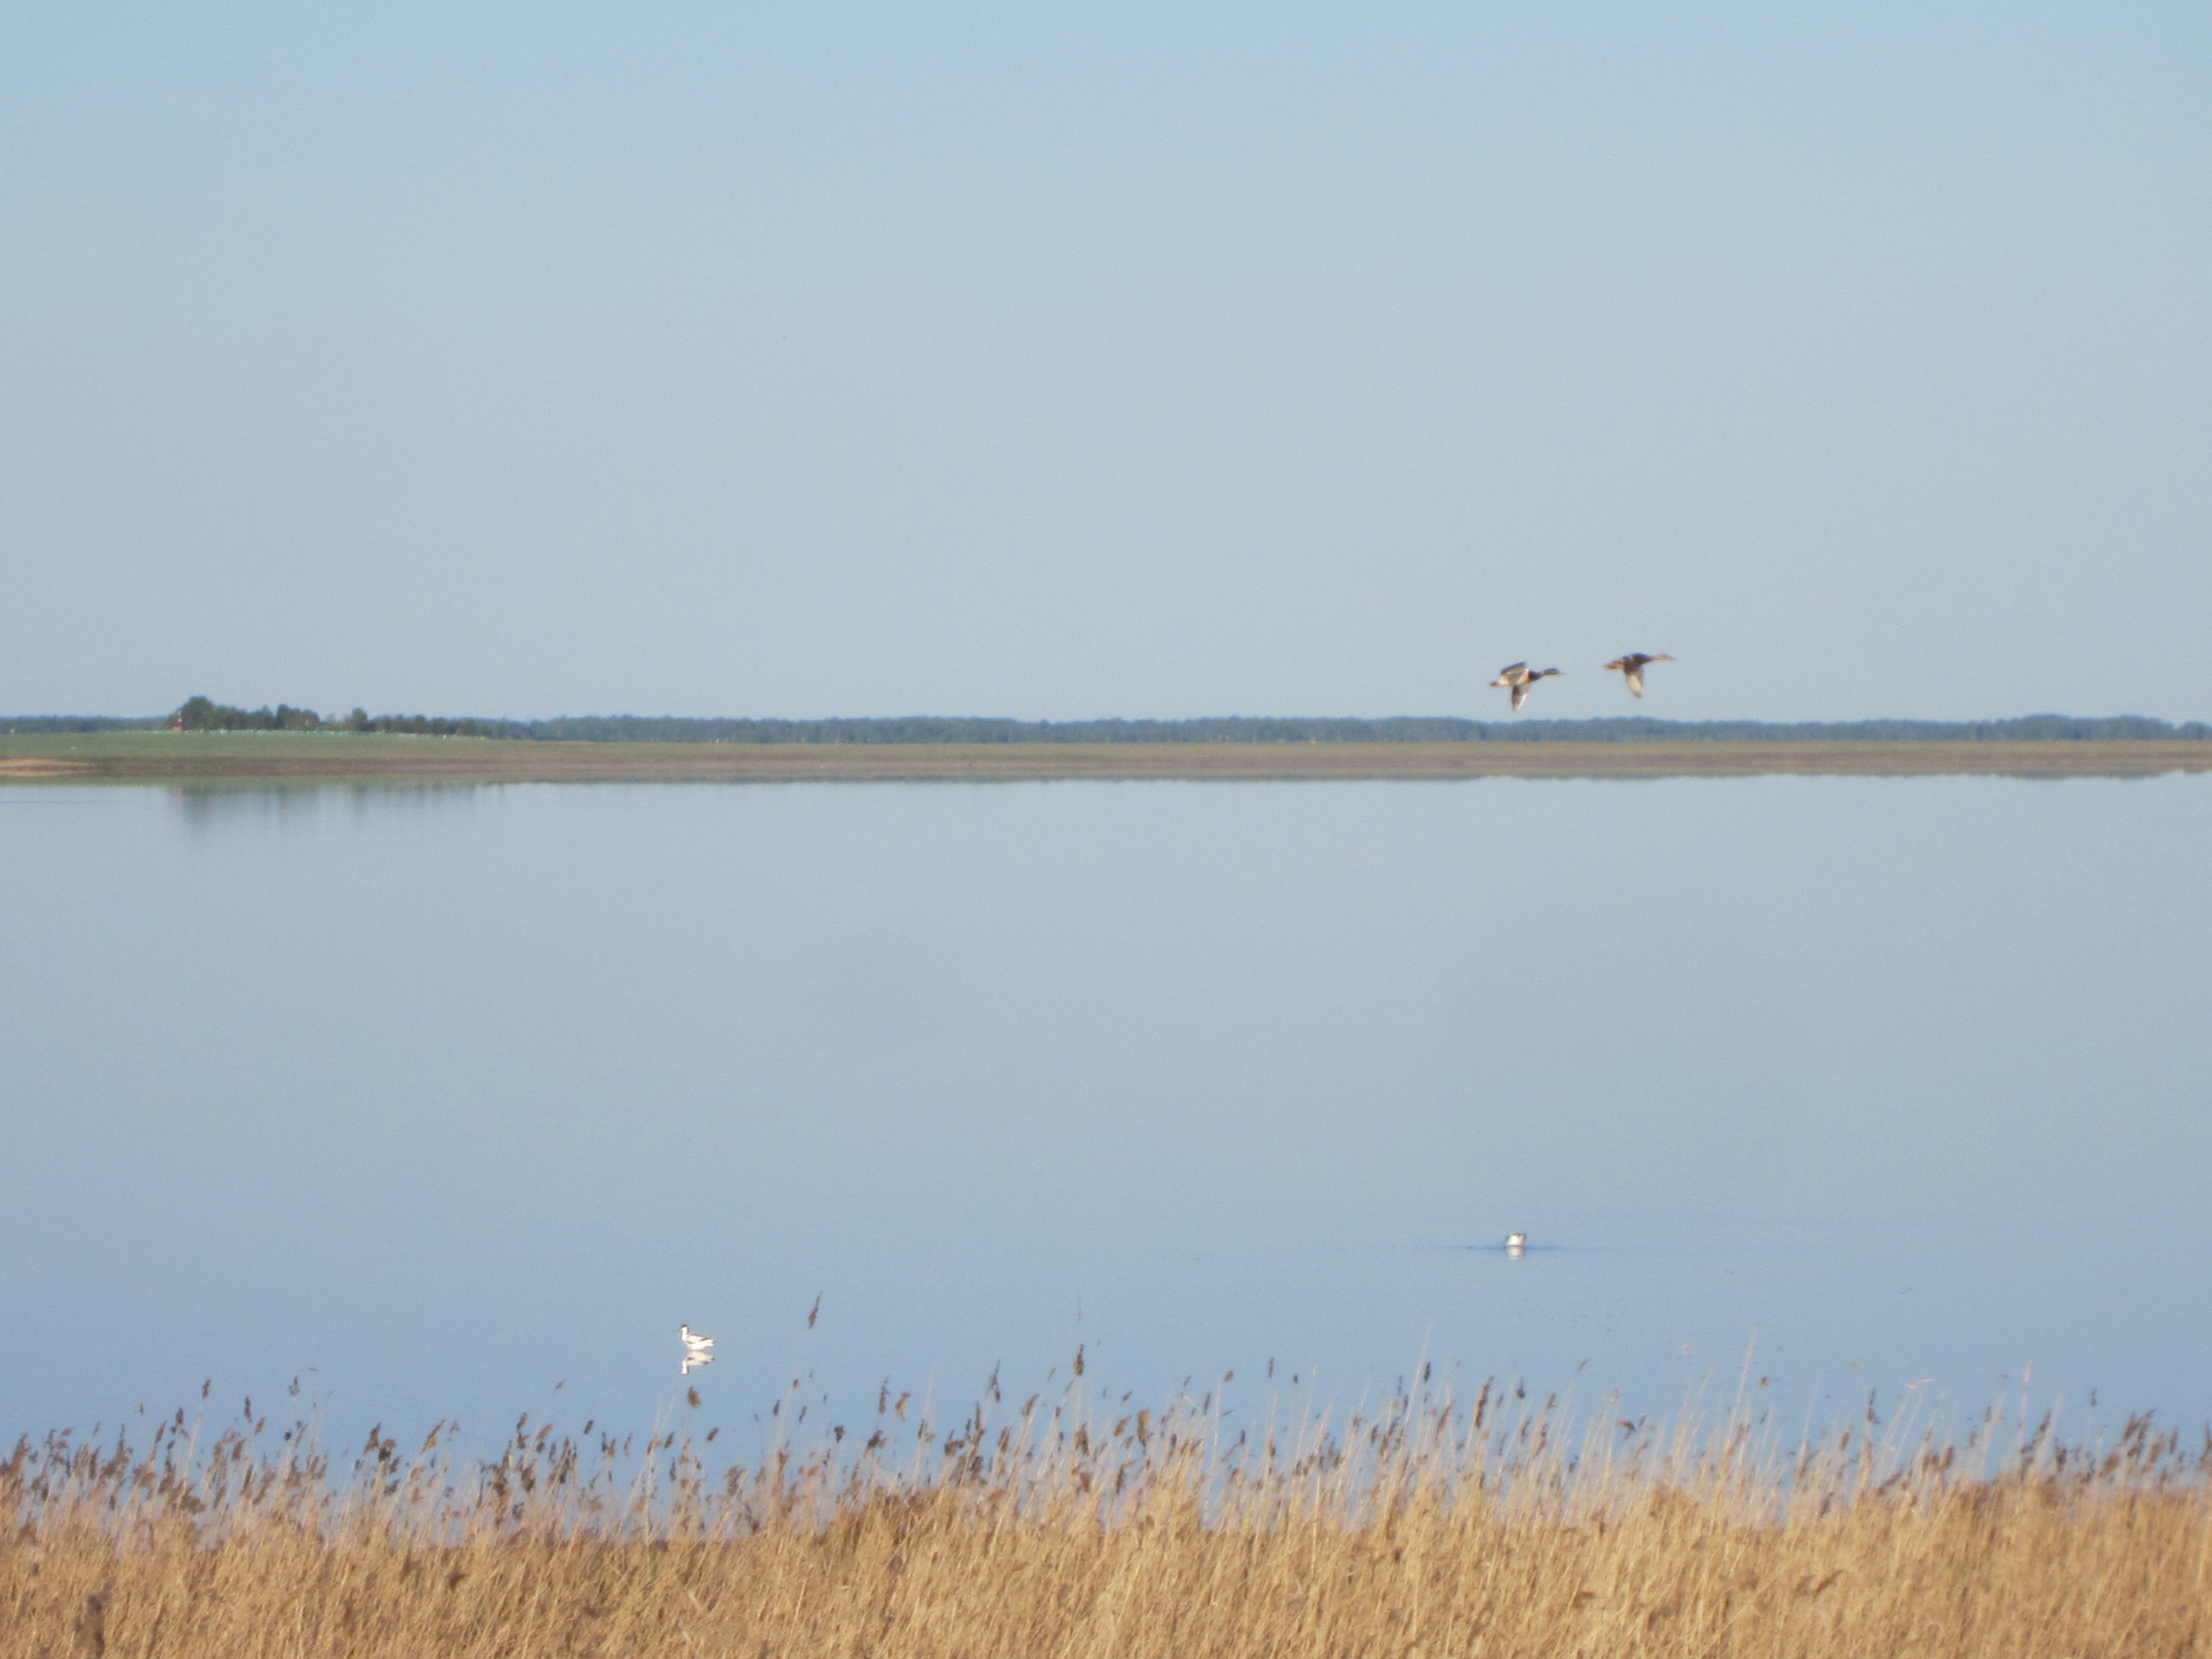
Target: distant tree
200,715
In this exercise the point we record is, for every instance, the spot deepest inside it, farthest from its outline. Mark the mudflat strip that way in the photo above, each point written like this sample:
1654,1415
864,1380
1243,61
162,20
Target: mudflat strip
138,757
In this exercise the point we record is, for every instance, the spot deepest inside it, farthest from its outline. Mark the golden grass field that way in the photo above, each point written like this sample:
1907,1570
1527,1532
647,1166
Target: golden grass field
1034,1532
306,756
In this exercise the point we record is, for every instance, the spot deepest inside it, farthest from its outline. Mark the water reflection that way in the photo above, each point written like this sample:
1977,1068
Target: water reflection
215,807
456,1093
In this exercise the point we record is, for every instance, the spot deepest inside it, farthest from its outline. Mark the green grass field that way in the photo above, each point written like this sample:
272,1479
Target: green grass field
171,756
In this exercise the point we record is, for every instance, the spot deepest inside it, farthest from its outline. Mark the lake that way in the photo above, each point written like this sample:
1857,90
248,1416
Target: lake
436,1098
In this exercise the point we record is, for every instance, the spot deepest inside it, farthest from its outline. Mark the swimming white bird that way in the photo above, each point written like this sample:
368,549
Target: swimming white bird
693,1342
1515,1243
1631,667
1517,678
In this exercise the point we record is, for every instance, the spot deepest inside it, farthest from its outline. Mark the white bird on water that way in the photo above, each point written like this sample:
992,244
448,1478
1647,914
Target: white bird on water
698,1350
1516,1244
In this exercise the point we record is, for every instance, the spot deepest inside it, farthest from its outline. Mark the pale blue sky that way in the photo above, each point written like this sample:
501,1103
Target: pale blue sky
1075,360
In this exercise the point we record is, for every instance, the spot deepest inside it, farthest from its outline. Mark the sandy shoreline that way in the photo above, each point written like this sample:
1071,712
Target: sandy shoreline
306,757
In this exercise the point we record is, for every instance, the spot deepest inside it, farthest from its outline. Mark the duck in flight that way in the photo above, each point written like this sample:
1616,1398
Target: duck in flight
1517,679
1632,666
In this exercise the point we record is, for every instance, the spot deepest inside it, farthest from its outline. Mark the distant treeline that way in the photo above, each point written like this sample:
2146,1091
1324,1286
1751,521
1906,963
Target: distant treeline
200,715
1411,728
34,724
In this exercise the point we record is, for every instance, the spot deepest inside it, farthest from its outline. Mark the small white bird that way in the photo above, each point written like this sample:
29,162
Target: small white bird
693,1342
1517,678
1516,1244
1631,667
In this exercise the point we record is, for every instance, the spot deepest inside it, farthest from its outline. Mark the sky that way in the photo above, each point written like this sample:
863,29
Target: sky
1071,360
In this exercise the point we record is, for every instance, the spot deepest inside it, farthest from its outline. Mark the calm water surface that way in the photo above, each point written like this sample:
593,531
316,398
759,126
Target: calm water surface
439,1098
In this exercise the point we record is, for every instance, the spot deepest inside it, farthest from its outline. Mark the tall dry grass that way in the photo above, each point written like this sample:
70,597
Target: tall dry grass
1428,1527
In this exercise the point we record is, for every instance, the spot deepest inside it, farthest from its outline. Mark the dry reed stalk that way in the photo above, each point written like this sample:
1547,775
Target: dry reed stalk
1427,1529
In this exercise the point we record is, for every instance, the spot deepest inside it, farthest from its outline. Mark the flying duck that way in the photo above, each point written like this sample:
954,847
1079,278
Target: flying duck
1517,679
1631,667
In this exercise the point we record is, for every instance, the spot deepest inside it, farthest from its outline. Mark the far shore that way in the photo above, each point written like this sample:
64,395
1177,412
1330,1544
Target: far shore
304,757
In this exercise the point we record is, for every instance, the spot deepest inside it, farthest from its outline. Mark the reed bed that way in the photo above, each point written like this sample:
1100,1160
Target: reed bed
1430,1525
